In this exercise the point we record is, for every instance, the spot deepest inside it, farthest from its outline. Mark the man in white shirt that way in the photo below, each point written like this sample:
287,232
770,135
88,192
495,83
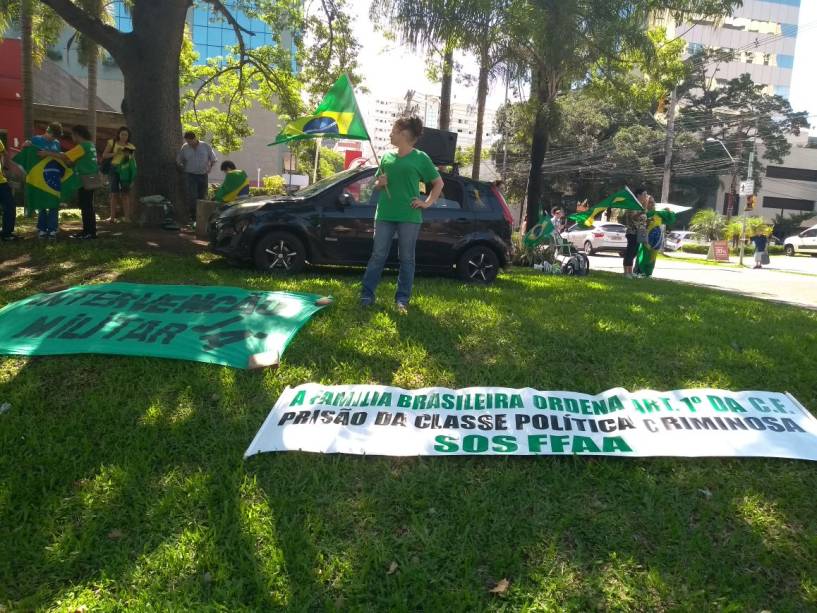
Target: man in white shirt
196,158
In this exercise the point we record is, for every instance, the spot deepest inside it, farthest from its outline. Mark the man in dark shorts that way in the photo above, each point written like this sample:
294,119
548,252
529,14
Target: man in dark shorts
635,223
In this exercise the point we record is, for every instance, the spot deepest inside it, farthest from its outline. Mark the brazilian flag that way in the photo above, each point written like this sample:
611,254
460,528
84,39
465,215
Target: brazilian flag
538,233
48,180
648,252
236,185
623,199
337,116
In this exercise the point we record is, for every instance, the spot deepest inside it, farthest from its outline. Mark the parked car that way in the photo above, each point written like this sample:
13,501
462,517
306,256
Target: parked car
679,238
603,236
332,222
805,242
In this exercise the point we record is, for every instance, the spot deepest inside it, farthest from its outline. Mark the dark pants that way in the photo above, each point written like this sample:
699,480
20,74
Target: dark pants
196,190
632,249
86,206
9,209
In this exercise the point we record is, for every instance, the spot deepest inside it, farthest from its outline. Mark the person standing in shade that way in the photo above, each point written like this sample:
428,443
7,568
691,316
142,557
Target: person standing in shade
111,158
236,184
7,199
125,172
83,158
635,223
399,209
196,159
761,244
48,219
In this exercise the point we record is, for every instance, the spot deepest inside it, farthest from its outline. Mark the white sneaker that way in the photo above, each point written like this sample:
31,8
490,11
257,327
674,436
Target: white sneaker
629,275
42,234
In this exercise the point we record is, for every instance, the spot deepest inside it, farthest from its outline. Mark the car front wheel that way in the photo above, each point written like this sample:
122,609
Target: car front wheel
789,250
478,264
280,252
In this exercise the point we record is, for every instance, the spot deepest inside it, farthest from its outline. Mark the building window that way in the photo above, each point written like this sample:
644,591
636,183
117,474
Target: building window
789,204
213,36
796,174
782,90
785,61
788,30
121,16
693,48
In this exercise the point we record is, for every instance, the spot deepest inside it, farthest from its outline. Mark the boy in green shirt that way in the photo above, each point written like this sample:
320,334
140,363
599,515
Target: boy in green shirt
126,170
399,209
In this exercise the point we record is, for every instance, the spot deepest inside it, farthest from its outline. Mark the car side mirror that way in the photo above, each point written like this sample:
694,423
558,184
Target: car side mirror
345,199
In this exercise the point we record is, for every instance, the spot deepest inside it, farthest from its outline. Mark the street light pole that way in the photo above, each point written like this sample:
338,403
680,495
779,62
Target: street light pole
734,173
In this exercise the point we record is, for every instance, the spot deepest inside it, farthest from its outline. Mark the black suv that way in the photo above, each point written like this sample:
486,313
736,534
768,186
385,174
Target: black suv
332,222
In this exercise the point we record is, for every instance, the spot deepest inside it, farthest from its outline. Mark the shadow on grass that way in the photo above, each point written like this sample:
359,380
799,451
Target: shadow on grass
122,481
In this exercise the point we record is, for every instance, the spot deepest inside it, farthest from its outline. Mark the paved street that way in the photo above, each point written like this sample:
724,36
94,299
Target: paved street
791,280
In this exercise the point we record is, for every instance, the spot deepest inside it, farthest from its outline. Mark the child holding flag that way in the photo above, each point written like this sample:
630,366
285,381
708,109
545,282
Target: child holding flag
399,209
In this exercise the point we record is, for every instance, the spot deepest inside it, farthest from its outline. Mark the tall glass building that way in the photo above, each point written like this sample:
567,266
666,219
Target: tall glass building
212,35
762,33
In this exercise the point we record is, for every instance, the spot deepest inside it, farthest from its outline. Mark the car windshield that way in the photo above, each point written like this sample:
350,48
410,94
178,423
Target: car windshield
613,227
324,184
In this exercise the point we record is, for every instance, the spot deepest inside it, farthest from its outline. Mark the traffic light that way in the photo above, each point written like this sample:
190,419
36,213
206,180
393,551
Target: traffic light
750,202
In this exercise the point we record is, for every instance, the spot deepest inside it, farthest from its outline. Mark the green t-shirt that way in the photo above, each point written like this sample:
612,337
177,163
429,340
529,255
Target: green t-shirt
84,158
405,175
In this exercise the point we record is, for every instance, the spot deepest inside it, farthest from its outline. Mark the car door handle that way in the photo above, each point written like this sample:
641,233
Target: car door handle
462,219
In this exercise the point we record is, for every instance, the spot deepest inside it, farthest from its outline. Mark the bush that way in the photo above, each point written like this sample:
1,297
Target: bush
274,185
695,249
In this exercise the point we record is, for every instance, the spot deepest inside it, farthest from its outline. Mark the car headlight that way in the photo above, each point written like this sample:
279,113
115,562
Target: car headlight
241,225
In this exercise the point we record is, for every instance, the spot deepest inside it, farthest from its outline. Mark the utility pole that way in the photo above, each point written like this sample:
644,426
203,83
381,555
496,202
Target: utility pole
748,179
668,148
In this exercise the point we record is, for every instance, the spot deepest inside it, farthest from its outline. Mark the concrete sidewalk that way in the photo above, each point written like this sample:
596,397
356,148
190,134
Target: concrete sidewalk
781,285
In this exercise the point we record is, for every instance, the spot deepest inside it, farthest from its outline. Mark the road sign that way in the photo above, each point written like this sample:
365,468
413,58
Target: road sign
747,187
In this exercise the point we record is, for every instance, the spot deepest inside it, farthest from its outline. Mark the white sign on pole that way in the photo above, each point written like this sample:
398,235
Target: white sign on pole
747,188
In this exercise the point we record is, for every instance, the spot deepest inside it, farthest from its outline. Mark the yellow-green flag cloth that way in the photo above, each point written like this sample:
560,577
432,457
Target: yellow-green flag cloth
622,199
48,180
648,252
235,185
337,116
538,233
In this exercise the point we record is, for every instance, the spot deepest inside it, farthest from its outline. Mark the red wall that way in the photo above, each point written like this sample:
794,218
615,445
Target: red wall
11,91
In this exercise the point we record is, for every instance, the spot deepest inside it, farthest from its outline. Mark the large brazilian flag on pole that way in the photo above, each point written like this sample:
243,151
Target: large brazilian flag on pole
48,180
337,116
622,199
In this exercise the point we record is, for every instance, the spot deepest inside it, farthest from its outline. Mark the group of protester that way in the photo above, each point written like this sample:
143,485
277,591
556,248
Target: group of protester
116,167
81,158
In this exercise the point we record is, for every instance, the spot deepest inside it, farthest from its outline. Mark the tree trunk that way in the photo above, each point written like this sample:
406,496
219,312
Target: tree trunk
150,66
93,58
445,92
546,111
482,94
27,61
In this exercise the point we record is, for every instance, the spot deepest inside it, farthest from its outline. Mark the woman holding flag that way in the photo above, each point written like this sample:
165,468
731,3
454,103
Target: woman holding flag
399,209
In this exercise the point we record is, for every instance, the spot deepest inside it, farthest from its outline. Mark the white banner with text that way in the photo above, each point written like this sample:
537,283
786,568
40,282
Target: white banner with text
389,421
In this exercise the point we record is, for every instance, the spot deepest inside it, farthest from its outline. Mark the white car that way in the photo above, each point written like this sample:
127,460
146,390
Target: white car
677,239
603,236
805,242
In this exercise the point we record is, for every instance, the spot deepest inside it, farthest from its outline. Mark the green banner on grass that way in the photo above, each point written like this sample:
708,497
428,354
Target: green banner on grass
220,325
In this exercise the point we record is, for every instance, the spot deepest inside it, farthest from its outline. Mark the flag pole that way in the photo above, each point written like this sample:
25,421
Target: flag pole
317,154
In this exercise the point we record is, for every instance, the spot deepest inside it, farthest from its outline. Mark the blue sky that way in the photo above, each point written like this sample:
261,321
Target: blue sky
804,81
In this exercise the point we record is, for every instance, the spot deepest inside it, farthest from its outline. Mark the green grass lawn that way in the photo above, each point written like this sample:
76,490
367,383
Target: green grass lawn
122,483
